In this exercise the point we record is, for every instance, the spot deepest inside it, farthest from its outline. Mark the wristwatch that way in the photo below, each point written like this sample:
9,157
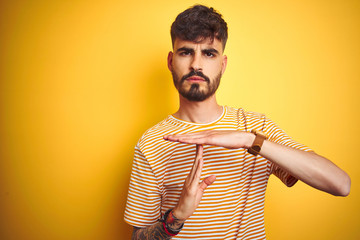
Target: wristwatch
260,137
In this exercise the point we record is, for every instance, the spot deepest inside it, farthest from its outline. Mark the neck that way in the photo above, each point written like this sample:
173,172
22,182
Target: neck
199,112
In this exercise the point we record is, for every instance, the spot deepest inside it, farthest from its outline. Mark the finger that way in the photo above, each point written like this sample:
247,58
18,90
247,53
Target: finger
191,140
195,134
199,151
207,182
172,138
198,156
188,140
197,167
197,173
176,137
209,138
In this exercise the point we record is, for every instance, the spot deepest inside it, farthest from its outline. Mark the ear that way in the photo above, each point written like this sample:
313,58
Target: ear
169,60
224,64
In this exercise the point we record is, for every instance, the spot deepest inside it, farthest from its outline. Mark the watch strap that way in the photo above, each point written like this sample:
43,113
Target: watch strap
260,137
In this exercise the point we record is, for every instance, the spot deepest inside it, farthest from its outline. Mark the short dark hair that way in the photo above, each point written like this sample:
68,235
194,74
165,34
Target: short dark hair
198,23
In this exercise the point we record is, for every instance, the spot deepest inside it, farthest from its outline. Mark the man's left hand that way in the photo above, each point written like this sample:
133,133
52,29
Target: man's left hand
231,139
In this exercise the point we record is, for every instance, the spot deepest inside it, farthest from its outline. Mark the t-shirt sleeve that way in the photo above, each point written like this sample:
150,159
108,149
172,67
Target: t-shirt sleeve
144,198
275,134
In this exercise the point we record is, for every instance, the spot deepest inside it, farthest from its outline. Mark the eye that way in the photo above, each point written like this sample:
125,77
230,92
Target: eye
185,53
209,54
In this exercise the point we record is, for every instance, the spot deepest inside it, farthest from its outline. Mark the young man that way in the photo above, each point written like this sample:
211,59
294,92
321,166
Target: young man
202,172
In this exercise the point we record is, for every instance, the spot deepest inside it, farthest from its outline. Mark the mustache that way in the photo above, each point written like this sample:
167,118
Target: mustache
195,73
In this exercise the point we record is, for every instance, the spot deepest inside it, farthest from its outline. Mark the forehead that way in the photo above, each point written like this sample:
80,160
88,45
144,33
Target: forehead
207,43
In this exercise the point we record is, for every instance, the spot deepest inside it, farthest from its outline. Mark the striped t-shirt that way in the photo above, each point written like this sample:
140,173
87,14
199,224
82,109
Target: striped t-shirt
233,206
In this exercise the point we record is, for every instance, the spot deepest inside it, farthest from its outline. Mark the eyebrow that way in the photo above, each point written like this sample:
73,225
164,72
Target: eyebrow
208,50
185,49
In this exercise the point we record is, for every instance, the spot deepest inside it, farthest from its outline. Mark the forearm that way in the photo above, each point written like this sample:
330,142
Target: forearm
173,220
308,167
155,231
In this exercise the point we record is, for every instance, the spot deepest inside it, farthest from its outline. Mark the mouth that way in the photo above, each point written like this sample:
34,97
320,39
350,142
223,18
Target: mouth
195,79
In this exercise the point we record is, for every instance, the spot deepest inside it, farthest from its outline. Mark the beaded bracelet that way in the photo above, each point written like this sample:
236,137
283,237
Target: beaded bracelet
167,229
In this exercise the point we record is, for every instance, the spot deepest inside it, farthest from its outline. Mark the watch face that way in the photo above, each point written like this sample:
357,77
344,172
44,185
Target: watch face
256,148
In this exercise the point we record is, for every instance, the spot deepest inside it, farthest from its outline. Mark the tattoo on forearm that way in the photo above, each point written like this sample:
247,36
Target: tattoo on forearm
173,222
155,232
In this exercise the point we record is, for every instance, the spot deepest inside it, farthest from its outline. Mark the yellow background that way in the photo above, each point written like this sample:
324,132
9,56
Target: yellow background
82,80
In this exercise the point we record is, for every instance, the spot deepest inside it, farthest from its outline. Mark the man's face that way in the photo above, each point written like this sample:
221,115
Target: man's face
197,67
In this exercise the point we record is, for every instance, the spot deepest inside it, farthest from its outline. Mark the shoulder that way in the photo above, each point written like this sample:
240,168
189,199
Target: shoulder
155,133
248,120
248,115
254,115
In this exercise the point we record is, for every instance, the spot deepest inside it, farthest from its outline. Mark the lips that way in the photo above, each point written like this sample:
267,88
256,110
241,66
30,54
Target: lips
195,76
195,79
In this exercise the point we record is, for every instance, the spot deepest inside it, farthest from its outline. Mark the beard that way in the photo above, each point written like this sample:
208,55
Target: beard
194,92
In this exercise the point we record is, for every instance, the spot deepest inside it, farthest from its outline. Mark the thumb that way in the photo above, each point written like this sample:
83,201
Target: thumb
207,182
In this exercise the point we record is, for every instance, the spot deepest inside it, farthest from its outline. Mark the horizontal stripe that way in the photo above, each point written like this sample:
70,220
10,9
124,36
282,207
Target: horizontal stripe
233,206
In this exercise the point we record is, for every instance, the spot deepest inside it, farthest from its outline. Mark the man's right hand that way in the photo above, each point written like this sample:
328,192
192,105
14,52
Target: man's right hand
193,190
190,198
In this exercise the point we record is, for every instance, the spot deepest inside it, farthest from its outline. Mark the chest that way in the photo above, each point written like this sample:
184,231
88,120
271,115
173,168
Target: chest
234,168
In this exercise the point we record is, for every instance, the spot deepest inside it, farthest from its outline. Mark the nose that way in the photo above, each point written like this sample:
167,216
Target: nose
196,63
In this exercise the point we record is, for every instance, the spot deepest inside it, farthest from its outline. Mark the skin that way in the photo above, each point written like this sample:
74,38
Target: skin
309,167
189,200
155,231
181,64
205,58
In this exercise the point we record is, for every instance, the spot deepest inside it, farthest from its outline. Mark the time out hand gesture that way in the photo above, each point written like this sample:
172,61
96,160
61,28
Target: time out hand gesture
226,138
192,190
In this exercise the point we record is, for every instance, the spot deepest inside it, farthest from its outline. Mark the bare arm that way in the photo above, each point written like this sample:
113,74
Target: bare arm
155,232
189,199
308,167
